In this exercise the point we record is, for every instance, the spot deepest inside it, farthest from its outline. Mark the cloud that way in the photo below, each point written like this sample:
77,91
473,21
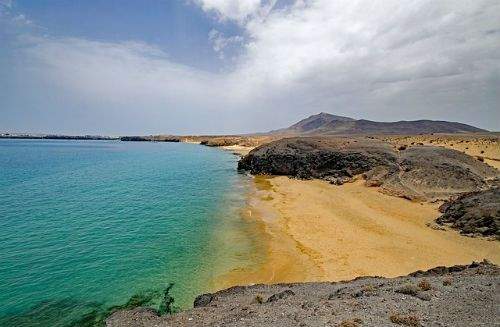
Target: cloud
231,9
384,60
221,42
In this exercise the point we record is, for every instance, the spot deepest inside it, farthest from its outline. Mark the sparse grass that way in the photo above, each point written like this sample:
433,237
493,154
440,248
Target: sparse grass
410,320
424,285
447,281
369,288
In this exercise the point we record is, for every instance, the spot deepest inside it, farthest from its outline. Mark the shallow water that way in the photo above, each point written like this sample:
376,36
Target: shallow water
85,224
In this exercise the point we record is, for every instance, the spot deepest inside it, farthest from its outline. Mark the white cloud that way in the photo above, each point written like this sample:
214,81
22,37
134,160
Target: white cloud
384,60
231,9
221,42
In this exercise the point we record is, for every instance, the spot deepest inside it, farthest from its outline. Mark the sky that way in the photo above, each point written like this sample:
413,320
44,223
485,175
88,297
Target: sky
123,67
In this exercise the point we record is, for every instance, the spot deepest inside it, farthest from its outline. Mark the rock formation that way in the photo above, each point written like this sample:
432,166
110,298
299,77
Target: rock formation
417,172
474,213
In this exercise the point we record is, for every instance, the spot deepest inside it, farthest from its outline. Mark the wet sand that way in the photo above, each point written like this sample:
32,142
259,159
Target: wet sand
314,231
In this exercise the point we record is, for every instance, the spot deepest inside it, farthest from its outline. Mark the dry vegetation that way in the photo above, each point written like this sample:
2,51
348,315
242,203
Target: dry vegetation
406,320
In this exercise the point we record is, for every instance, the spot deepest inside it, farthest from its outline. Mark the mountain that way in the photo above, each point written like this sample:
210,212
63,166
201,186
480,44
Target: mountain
328,124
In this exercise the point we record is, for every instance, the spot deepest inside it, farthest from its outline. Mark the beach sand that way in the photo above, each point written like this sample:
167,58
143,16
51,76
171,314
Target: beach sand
314,231
239,150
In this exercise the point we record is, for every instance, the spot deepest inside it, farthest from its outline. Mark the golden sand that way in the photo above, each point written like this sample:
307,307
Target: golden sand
314,231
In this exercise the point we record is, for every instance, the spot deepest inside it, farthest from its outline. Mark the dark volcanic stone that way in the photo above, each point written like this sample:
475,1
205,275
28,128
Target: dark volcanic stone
418,172
203,300
334,159
474,213
280,295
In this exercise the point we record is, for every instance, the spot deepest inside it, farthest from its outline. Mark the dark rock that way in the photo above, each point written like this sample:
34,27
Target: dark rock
280,295
442,270
424,296
474,213
134,139
203,300
423,173
333,159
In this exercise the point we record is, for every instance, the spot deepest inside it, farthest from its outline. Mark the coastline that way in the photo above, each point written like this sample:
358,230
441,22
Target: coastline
314,231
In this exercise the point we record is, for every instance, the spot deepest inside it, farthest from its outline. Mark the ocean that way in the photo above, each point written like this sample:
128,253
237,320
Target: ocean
86,225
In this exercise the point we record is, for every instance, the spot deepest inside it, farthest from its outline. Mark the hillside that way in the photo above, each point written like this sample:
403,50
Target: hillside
328,124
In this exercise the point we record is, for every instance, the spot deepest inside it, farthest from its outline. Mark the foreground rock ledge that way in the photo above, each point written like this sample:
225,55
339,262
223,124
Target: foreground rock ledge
443,296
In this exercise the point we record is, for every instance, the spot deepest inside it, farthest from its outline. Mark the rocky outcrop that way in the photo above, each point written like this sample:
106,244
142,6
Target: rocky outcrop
415,172
333,159
443,296
476,213
150,138
134,139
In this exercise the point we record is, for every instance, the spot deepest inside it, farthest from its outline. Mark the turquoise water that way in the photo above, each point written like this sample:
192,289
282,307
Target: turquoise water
92,223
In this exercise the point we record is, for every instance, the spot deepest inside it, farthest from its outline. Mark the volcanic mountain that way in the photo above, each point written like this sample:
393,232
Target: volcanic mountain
328,124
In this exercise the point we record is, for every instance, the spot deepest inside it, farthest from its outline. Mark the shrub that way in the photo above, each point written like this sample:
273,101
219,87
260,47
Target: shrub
259,299
409,320
447,281
351,323
408,289
424,285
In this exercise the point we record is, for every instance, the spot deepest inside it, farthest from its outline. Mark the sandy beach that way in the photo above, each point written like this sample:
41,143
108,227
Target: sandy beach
315,231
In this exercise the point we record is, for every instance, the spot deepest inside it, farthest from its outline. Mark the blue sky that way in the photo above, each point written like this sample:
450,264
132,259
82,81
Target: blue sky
177,27
236,66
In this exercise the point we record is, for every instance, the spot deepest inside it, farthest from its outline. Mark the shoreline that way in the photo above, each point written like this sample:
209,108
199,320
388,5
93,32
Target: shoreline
314,231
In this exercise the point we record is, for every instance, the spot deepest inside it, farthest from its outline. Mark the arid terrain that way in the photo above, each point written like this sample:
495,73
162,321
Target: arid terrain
458,296
485,146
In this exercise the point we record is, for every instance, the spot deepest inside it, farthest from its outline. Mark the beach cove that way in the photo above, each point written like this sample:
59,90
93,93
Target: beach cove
315,231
